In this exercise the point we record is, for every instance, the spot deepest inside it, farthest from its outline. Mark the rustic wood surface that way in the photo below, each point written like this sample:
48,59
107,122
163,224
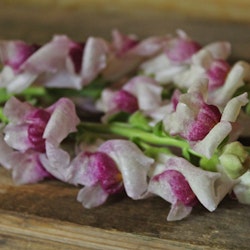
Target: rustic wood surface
237,10
47,216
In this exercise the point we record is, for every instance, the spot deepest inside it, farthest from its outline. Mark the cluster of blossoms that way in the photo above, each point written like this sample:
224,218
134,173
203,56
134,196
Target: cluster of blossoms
161,116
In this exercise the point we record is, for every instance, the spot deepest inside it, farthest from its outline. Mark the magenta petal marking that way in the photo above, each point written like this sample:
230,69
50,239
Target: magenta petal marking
182,50
125,101
38,122
123,43
217,73
175,98
106,172
208,117
18,54
76,55
179,186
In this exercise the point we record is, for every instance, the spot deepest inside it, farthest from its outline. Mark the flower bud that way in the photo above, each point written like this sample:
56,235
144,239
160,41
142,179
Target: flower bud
234,159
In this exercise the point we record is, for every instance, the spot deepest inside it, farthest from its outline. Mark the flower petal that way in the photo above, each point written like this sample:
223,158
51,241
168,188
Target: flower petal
94,59
6,153
233,107
14,53
213,139
132,163
16,111
93,196
147,91
27,168
209,187
178,211
63,121
242,189
56,162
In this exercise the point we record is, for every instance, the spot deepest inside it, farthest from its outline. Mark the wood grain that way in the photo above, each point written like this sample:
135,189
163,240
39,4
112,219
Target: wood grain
48,212
47,216
38,24
236,10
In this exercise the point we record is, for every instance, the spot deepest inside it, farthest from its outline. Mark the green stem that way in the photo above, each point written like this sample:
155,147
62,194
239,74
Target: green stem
150,142
129,132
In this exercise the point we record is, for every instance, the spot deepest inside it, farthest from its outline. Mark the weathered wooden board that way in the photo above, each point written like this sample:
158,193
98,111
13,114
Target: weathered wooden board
237,10
47,215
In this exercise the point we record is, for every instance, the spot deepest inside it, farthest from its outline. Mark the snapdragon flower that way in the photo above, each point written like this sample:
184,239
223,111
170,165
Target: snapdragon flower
116,165
127,52
179,182
61,62
31,132
187,62
139,93
203,124
208,63
173,59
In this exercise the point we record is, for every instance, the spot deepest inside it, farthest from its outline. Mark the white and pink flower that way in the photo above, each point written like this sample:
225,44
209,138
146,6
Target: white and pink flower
185,62
127,52
116,165
139,93
204,125
61,62
182,184
31,133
